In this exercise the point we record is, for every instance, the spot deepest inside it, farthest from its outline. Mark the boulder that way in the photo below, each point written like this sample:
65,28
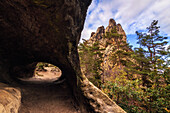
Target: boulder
10,99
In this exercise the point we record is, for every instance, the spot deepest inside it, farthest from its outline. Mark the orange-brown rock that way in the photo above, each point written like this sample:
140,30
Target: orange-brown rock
10,99
103,42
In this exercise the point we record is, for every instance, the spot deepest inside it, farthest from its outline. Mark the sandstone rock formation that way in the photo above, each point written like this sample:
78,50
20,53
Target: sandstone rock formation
99,36
48,31
10,99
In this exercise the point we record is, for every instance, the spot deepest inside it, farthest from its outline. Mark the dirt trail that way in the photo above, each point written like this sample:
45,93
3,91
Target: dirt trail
47,97
47,76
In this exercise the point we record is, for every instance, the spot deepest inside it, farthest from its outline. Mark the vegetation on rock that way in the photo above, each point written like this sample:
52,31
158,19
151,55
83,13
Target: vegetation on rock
91,59
139,80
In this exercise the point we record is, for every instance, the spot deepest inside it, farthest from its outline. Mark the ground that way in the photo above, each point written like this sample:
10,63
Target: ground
41,76
41,95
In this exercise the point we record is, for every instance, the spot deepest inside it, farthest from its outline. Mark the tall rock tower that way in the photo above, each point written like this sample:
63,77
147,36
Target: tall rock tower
103,42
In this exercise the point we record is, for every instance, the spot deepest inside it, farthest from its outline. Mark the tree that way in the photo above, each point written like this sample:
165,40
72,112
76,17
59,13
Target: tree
154,49
148,92
142,66
153,66
91,59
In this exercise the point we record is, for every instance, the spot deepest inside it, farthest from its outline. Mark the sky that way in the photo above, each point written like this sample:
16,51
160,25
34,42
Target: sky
133,15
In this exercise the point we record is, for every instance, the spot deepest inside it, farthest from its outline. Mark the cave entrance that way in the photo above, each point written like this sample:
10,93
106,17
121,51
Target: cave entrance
44,73
46,91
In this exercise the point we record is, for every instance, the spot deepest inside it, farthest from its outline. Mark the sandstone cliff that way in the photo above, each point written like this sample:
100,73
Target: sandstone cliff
103,42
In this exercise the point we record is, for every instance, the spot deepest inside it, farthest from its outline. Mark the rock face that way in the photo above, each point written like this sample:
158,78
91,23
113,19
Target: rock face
48,31
10,99
25,71
99,36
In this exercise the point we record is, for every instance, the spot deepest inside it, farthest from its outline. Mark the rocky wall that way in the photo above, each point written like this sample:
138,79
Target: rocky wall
48,31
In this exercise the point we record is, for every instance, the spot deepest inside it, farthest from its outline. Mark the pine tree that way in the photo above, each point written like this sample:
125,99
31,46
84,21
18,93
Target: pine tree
91,59
154,46
153,66
142,66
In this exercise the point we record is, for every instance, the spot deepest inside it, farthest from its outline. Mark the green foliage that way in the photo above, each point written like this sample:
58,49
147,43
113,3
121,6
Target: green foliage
140,78
40,66
133,98
126,93
121,51
91,58
153,43
149,92
154,53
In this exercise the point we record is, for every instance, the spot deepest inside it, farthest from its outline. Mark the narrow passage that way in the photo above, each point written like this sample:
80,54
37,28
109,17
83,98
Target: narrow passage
42,95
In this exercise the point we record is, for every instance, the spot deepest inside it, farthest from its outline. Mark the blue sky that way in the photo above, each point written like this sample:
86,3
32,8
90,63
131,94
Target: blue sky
133,15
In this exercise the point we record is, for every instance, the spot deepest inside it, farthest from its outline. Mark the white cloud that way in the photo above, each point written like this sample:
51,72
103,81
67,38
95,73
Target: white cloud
133,15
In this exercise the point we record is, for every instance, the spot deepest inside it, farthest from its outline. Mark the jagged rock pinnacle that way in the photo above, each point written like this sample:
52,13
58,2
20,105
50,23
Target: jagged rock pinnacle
92,34
100,29
99,33
112,22
121,31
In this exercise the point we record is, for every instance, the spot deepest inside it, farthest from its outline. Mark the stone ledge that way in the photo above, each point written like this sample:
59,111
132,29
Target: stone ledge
10,99
99,101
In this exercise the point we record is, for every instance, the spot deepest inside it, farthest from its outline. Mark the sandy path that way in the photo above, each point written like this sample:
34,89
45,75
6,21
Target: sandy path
47,98
41,95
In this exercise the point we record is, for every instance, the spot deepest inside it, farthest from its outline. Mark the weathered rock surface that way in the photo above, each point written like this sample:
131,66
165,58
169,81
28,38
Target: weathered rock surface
10,99
25,71
98,101
103,42
47,31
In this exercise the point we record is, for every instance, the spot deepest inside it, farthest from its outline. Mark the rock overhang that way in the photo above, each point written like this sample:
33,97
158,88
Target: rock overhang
47,31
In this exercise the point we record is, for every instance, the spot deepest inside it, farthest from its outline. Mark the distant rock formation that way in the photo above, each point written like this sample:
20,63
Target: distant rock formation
99,36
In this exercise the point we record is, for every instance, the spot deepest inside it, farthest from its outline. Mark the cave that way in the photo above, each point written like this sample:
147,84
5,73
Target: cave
43,89
34,31
43,73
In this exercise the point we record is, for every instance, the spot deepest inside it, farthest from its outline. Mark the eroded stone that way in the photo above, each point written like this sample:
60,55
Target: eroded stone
10,99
